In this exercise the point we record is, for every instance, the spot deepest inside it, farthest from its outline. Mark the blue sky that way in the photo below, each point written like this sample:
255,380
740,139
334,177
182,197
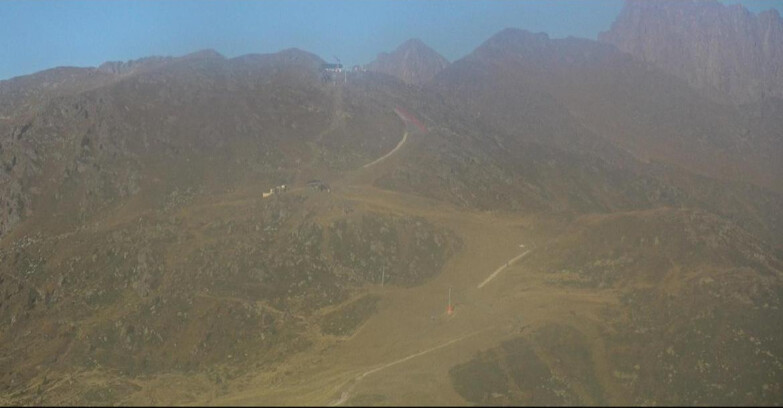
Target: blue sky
36,35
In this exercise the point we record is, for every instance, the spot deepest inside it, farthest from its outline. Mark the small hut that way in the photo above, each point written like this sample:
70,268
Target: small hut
318,185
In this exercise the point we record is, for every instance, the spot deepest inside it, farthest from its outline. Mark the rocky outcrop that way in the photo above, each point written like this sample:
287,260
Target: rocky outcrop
732,54
126,67
413,62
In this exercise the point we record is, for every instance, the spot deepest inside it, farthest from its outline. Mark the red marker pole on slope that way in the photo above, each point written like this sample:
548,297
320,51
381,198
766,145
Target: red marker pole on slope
450,307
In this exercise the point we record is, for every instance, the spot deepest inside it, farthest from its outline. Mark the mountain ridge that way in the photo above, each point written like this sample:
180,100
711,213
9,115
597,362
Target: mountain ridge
412,61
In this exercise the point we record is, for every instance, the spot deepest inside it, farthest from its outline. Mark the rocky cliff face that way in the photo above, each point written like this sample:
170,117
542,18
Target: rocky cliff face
727,51
413,62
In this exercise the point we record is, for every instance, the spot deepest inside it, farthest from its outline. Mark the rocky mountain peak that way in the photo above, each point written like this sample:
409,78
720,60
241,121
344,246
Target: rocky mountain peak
204,54
125,67
512,41
296,55
730,53
413,62
511,36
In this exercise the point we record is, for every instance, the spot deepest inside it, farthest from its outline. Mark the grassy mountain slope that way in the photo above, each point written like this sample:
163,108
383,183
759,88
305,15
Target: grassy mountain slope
141,264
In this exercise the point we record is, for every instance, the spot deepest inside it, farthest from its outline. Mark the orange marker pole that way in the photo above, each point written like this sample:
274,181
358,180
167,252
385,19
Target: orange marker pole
450,307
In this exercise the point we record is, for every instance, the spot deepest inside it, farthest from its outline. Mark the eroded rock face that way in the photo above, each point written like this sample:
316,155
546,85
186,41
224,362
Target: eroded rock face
729,52
413,62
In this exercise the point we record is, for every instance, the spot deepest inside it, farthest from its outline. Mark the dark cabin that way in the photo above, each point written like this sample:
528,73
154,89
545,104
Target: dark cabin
318,185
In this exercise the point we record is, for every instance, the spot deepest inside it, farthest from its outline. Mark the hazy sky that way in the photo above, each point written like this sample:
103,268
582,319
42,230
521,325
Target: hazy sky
36,35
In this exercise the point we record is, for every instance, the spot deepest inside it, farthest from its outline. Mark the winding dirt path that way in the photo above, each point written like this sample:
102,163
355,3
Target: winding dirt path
384,157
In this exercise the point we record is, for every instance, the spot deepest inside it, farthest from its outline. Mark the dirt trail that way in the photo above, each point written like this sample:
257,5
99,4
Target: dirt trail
347,393
498,270
399,145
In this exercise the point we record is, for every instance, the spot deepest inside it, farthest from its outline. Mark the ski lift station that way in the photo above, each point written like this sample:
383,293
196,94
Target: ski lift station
332,68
